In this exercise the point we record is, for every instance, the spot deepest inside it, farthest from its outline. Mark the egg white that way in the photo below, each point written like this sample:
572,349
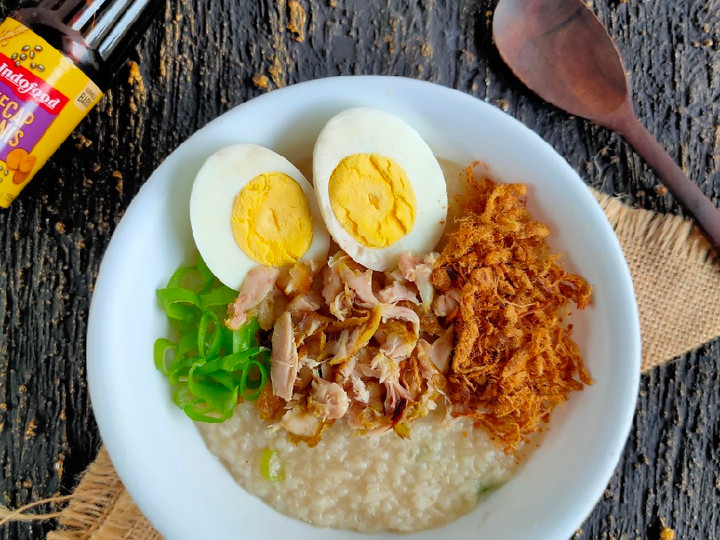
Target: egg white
370,131
216,185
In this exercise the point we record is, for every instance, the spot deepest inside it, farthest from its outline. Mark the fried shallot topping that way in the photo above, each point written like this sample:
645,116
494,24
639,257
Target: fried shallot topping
514,360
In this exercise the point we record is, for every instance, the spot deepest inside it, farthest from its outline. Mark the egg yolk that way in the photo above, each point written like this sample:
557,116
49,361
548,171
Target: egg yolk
271,220
372,199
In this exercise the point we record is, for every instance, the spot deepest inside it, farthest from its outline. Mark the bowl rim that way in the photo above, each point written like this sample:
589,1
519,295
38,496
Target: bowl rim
106,415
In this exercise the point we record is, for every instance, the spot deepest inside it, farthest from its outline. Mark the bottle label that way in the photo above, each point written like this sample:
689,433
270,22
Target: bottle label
43,97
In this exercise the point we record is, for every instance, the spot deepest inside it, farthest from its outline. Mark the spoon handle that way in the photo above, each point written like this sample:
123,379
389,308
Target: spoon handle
685,191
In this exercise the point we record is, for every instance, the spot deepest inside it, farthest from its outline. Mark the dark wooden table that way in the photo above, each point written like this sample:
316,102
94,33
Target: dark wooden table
200,59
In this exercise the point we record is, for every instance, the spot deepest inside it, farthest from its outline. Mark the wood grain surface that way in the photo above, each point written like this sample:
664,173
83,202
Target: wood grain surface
201,58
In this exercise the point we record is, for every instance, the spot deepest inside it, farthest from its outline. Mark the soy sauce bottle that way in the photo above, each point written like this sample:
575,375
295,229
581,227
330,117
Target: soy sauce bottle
57,57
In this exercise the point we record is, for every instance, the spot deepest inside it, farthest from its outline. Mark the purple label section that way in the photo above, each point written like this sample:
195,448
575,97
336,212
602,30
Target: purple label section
22,123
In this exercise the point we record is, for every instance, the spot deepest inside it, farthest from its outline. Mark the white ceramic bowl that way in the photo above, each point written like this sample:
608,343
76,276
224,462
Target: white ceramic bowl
159,454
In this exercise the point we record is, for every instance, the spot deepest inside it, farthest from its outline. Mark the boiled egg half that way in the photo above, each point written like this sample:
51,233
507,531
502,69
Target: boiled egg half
380,189
250,206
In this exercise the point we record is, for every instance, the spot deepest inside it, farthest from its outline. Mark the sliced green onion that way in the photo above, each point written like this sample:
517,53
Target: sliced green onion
193,278
187,344
271,467
246,336
209,335
181,304
160,353
227,380
210,366
217,395
207,276
233,362
252,382
178,278
201,411
181,395
222,296
179,370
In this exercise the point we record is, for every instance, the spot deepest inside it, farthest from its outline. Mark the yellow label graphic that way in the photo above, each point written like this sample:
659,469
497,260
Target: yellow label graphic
43,97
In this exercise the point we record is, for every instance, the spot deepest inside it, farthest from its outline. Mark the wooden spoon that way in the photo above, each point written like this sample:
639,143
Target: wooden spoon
562,52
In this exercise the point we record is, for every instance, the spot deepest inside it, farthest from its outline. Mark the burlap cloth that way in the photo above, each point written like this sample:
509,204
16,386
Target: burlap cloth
677,284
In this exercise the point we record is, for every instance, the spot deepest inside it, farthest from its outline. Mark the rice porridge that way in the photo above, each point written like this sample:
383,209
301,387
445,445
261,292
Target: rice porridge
367,483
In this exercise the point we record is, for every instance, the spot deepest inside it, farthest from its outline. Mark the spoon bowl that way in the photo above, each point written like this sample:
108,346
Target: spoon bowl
589,81
562,52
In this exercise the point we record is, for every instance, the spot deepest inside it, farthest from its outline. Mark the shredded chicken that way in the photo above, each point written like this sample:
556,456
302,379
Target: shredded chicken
259,281
301,423
284,358
397,292
441,350
311,301
446,305
402,313
345,344
328,400
418,269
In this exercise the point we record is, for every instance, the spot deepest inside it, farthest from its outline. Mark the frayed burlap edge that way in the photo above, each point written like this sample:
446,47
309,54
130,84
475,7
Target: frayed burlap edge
676,277
101,509
677,285
672,234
